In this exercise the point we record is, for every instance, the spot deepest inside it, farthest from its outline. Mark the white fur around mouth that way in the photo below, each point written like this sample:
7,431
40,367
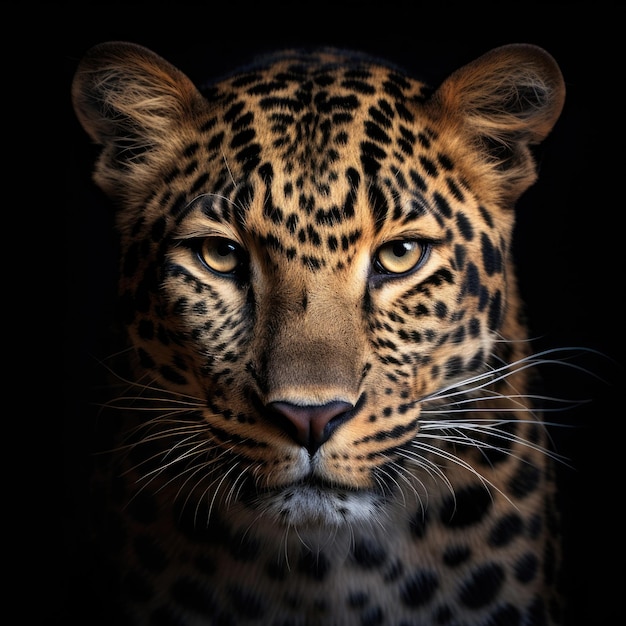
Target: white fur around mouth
310,505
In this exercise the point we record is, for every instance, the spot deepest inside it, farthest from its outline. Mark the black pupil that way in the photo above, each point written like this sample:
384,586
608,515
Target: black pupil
400,248
225,248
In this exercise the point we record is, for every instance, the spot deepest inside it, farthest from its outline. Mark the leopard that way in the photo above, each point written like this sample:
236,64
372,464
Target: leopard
327,412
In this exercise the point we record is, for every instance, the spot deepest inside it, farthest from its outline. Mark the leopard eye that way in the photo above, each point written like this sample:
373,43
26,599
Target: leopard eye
400,256
221,255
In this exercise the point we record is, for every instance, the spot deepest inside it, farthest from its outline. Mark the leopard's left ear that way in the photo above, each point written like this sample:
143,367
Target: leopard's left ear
503,102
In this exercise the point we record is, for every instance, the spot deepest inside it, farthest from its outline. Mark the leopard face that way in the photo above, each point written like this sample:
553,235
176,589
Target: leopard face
316,275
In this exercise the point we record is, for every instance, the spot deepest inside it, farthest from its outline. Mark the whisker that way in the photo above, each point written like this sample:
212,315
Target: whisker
439,423
508,369
448,456
472,400
463,437
116,403
432,469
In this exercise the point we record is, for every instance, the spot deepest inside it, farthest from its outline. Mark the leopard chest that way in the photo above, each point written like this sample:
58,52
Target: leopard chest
463,556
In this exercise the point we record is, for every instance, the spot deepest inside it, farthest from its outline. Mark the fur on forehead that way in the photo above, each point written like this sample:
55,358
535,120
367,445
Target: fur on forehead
147,114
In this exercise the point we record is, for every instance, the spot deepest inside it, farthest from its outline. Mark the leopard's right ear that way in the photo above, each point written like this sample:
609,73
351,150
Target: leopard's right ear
135,104
123,90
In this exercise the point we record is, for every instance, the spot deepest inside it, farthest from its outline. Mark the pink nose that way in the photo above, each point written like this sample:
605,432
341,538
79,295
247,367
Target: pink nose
310,426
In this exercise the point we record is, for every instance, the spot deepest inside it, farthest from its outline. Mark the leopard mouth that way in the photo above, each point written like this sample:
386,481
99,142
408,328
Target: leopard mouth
315,503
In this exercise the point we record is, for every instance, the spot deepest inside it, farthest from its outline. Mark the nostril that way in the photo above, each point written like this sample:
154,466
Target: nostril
310,426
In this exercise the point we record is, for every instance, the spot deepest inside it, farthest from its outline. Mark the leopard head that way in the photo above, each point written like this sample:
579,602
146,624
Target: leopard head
313,249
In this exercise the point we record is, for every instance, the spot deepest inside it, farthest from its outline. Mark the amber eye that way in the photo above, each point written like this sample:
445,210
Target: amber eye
221,255
401,256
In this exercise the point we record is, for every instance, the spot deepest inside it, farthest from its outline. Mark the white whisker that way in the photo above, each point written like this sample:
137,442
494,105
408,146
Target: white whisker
448,456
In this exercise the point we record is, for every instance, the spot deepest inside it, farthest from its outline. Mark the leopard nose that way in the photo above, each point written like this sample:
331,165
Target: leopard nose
310,426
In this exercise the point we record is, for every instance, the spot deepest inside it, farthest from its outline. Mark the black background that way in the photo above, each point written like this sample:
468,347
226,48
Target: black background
569,238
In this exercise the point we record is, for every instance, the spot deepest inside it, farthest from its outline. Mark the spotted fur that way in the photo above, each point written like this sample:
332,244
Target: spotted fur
330,415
